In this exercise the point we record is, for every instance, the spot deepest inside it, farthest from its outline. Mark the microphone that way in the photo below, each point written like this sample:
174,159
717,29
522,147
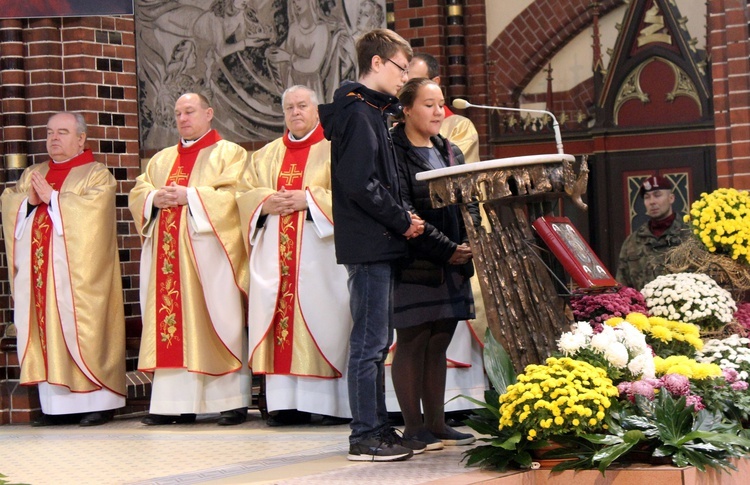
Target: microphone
460,103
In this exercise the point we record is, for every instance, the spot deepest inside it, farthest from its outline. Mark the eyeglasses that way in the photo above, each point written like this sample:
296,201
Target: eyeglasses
404,71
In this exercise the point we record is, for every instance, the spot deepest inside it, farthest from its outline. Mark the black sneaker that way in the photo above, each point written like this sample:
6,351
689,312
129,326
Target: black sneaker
451,437
414,445
431,443
378,449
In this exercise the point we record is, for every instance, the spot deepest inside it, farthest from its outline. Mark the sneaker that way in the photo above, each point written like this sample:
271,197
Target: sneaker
414,445
431,443
451,437
378,449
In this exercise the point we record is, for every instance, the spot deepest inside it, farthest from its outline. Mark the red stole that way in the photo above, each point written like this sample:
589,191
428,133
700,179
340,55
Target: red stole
41,231
448,112
290,178
169,319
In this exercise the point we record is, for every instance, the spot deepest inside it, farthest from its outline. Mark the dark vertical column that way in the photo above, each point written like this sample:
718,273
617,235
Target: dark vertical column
13,96
456,49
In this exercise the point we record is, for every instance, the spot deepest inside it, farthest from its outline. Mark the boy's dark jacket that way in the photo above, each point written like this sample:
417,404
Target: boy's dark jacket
444,227
368,213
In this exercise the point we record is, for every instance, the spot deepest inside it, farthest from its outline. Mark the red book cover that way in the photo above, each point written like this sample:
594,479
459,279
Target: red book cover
569,247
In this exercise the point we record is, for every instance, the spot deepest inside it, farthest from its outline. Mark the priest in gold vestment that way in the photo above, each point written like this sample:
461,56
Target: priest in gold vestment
60,233
193,274
299,319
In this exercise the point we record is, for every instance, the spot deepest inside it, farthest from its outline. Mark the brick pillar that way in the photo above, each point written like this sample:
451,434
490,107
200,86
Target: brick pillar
12,94
729,50
14,148
477,86
456,50
85,65
44,81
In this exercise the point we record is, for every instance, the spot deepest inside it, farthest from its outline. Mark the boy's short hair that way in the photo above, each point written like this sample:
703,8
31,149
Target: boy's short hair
380,42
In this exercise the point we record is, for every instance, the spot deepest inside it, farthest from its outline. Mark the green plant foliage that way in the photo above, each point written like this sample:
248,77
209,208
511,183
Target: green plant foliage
663,428
497,363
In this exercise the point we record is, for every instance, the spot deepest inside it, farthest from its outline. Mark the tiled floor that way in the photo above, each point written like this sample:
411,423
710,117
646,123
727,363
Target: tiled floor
127,452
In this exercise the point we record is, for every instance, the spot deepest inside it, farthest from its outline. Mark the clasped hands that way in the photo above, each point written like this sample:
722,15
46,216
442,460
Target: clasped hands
416,228
172,195
461,255
40,190
284,202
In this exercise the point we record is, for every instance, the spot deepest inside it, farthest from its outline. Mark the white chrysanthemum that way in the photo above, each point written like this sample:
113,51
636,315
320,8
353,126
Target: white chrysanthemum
633,338
601,341
643,365
582,328
617,355
570,343
689,297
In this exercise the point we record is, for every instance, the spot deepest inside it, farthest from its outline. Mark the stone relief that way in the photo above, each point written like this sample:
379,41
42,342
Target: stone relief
242,54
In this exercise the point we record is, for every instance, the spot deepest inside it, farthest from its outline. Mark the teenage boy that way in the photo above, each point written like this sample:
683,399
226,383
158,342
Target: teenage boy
372,227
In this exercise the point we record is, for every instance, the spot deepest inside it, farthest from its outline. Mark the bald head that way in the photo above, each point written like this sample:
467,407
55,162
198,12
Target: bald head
193,116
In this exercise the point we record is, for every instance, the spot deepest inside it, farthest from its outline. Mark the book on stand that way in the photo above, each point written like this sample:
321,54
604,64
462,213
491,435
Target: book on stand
575,255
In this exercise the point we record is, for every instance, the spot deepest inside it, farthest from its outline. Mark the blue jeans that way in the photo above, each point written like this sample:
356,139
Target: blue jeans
371,290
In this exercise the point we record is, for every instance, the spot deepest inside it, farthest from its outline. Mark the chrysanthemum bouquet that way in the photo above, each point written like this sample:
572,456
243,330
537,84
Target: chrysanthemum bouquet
730,353
621,349
742,315
666,337
721,221
690,297
690,368
598,307
677,385
563,397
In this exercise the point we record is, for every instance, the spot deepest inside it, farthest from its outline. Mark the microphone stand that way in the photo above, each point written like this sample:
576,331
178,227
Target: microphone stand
460,103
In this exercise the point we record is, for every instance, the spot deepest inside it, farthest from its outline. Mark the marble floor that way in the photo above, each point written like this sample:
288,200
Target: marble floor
127,452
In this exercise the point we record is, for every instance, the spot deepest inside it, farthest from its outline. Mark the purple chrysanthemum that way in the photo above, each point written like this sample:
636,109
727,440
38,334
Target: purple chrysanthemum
676,384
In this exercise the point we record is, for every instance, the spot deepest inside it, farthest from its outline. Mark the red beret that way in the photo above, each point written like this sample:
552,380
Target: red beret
656,182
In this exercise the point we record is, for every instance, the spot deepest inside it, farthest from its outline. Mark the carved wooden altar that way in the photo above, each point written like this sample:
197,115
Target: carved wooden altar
523,309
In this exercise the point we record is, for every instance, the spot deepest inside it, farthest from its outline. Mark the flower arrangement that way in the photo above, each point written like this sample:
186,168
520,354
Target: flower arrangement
565,396
721,221
730,353
690,368
690,415
742,315
677,385
621,349
598,307
690,297
727,394
666,337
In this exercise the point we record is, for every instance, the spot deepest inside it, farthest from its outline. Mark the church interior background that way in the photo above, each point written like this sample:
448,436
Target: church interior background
639,87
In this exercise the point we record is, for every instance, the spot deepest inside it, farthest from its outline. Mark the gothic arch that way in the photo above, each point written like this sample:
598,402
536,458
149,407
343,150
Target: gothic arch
532,39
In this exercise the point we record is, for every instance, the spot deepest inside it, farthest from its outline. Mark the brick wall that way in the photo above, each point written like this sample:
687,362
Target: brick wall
73,64
730,64
453,31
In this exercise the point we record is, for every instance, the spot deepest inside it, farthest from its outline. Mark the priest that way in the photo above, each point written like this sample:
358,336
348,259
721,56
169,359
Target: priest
299,320
60,233
193,274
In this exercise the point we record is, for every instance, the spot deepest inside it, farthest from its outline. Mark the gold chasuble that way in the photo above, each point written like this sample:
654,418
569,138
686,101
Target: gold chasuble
182,328
66,278
298,317
460,131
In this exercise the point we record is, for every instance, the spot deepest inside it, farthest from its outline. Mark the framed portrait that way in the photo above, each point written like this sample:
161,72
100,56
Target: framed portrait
569,247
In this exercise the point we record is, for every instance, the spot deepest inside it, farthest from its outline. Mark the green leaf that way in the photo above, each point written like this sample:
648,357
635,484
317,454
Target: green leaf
512,442
608,454
603,439
497,363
